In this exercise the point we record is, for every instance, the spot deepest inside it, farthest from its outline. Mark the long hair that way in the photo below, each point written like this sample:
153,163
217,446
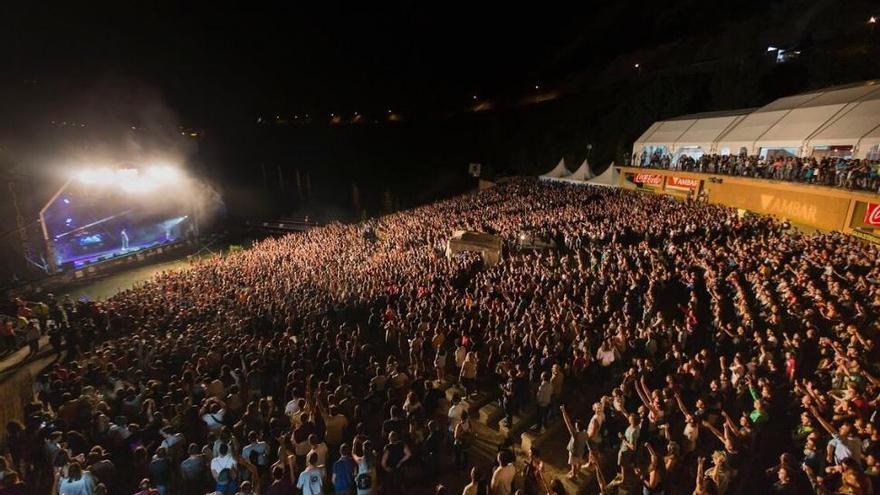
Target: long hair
74,472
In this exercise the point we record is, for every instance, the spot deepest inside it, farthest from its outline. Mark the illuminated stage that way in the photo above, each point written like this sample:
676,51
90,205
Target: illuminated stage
99,256
109,214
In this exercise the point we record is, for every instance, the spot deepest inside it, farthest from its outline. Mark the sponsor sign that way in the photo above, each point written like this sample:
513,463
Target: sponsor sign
872,215
866,236
649,180
682,183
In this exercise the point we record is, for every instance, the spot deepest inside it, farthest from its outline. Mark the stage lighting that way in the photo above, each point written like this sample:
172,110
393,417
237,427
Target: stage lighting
132,180
163,174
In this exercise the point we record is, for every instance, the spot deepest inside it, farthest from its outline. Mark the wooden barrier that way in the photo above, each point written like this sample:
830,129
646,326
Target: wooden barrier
823,207
15,391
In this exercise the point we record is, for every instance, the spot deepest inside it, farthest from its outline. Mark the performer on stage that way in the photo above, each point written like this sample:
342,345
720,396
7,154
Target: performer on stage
124,236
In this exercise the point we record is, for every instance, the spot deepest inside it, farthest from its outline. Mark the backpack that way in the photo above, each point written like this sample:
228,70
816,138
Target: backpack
225,476
363,481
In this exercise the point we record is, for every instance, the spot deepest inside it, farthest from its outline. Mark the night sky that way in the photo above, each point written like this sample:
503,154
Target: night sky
213,62
137,76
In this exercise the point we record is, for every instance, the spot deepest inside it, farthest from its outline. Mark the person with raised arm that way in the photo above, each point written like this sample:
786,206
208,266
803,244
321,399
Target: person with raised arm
577,443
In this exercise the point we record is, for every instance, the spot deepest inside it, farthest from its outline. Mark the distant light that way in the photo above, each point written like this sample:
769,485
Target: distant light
389,110
133,128
194,134
537,87
66,201
69,221
355,114
333,115
636,66
772,48
872,20
475,97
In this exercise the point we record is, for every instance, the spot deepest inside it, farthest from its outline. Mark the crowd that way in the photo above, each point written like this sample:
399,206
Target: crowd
717,354
848,173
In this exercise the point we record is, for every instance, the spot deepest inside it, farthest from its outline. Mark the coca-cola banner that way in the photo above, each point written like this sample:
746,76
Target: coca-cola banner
649,180
872,215
682,183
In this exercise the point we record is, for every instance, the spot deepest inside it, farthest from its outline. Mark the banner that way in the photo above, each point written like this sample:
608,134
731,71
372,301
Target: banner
682,183
649,180
872,215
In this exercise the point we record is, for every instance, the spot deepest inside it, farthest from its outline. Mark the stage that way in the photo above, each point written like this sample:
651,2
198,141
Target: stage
87,259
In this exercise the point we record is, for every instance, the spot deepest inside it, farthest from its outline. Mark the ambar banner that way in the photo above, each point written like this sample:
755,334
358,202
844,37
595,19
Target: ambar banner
682,183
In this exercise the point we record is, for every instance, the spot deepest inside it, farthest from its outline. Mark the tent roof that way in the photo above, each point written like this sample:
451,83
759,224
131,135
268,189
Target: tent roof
846,114
706,130
668,132
583,172
558,171
606,178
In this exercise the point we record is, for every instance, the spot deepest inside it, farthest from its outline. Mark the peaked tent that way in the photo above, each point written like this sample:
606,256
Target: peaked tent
558,172
608,178
583,172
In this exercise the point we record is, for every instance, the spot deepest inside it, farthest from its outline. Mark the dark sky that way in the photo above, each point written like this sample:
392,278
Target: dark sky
210,61
301,56
210,64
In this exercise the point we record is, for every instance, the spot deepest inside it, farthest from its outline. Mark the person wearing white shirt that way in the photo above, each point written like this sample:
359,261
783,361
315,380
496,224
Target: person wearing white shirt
224,469
454,414
213,414
311,481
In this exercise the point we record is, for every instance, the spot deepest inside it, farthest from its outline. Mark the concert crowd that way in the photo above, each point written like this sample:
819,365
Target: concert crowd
711,353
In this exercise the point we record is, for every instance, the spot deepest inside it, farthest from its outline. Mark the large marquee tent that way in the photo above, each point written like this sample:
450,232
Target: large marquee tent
844,119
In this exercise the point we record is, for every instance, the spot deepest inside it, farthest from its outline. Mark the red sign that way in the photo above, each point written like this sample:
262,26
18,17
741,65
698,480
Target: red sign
682,183
872,214
651,180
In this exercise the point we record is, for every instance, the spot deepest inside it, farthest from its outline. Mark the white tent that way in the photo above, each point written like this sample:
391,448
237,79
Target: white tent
706,130
840,116
608,178
583,172
558,171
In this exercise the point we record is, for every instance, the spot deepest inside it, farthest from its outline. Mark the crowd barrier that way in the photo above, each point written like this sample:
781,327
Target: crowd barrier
826,208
